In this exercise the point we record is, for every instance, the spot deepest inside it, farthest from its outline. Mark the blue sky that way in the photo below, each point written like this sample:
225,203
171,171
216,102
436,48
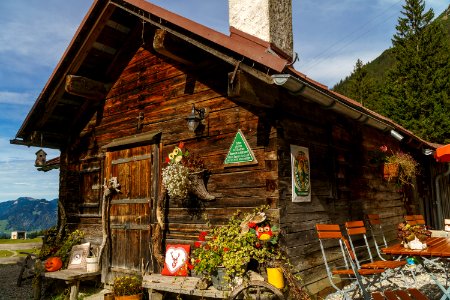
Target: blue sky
329,36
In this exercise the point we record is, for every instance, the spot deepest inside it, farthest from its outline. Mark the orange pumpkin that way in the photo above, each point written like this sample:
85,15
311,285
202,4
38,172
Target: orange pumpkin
53,264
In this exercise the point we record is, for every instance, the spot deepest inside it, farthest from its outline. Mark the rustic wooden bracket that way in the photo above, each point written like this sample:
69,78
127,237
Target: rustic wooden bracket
248,89
85,87
161,45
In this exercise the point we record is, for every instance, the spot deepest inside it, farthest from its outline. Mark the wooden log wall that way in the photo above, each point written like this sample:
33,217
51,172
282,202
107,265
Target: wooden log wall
156,94
163,92
345,184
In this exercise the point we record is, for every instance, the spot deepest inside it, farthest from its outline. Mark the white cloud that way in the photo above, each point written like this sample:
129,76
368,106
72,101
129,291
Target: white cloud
329,71
16,98
22,179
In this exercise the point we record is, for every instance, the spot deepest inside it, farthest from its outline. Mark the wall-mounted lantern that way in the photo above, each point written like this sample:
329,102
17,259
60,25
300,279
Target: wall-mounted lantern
194,119
41,158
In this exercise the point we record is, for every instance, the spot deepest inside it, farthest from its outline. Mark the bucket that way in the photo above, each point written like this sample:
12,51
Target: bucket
275,277
92,264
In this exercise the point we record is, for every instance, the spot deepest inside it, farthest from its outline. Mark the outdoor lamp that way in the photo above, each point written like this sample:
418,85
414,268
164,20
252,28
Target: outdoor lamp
396,135
194,119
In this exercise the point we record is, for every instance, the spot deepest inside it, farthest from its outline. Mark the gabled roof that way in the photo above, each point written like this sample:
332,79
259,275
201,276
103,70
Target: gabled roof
112,32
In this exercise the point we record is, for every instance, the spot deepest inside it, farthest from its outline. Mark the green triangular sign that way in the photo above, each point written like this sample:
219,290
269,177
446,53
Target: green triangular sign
240,151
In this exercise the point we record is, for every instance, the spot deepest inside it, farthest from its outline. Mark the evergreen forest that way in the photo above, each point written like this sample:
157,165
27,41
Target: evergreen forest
409,82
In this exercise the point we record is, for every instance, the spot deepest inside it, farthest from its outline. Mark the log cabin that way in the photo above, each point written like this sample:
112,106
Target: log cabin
117,103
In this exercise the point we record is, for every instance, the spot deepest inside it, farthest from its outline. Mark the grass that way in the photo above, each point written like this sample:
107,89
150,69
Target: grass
20,241
34,251
6,253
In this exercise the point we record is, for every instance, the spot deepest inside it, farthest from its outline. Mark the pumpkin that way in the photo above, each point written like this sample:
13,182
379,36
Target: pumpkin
53,264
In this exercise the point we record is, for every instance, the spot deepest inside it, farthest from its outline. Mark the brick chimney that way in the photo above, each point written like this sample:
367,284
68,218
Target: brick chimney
268,20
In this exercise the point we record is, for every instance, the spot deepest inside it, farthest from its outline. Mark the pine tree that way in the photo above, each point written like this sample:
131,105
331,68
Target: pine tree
417,94
359,81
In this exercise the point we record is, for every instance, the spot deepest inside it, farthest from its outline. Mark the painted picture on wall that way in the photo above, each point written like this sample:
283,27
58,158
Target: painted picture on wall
301,184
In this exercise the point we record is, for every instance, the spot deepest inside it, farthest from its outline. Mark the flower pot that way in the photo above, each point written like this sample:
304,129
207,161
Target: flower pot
197,186
390,171
218,280
275,277
415,244
108,296
129,297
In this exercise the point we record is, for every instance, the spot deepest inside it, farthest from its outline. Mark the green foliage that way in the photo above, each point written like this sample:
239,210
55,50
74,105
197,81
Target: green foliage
233,247
60,247
408,167
127,285
409,82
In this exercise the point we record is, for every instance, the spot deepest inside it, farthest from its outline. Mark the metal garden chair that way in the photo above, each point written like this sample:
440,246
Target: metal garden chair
356,230
379,239
341,266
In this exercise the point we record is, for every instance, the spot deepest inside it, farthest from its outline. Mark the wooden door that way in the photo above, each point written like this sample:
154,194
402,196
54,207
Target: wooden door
130,210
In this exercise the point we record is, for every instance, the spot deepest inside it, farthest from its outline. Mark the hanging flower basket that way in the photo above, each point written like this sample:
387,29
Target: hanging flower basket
390,171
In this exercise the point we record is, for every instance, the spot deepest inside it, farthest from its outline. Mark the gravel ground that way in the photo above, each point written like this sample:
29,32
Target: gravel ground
9,271
423,282
8,287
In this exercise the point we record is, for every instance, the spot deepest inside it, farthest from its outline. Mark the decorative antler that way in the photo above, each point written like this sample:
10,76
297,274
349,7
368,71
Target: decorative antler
175,260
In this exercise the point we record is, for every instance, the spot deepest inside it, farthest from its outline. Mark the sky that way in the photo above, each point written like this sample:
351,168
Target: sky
329,36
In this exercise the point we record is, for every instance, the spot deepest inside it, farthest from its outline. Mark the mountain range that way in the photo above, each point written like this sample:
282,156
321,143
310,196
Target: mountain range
27,214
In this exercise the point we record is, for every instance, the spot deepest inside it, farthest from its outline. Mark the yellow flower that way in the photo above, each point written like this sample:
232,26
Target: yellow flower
178,158
176,151
171,156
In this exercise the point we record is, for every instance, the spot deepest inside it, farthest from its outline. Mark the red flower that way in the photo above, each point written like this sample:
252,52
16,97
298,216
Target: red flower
225,249
251,224
181,145
202,236
258,245
190,266
198,244
383,148
167,160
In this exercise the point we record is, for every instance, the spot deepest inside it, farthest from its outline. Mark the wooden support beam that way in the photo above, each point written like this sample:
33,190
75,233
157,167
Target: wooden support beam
248,89
85,87
161,43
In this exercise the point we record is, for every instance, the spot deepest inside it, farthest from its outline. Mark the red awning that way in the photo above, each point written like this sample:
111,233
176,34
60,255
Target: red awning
442,154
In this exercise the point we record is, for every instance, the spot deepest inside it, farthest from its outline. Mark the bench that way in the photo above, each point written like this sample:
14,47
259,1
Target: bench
72,277
156,283
409,294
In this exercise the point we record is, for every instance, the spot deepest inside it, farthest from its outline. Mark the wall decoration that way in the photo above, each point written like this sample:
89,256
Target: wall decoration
240,152
78,256
301,184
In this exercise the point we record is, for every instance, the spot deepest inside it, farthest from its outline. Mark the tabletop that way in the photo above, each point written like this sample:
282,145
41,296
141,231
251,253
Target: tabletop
436,247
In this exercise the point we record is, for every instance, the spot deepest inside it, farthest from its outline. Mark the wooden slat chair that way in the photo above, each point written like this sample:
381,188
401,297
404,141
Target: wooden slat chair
447,227
376,229
410,219
420,220
343,267
408,294
363,255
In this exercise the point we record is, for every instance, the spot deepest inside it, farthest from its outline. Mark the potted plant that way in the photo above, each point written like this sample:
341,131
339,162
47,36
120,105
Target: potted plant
127,288
413,236
175,176
406,166
230,248
398,166
184,174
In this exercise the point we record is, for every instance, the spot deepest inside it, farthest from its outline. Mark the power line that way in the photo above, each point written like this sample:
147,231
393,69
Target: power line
322,56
